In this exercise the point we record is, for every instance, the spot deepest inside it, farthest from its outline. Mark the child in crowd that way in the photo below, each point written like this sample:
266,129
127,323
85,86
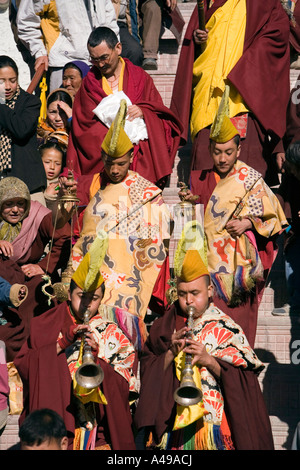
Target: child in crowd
53,157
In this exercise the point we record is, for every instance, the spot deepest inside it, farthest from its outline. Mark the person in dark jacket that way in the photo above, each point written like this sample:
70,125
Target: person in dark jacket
19,113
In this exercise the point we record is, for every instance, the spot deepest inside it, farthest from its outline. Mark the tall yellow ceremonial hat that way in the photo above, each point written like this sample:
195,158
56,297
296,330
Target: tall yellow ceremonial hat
116,142
190,259
193,266
222,129
88,275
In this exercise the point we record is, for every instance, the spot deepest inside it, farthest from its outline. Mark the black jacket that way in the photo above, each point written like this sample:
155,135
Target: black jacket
22,123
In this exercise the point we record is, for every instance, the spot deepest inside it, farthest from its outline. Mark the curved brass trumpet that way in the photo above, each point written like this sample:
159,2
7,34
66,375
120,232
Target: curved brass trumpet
89,375
188,393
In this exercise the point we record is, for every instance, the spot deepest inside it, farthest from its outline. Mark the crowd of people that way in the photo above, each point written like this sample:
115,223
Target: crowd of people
85,231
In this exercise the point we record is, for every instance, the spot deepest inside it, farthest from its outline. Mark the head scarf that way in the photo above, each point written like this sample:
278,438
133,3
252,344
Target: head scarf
11,188
82,66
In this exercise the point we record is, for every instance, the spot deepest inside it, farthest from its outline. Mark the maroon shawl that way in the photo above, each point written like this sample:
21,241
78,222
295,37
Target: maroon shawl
154,157
47,380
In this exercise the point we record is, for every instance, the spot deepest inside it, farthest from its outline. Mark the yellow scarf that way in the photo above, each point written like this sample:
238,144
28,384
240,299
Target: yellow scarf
8,231
186,415
105,84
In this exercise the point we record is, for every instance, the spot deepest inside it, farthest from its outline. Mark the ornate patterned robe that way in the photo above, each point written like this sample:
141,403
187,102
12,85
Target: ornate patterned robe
137,221
234,263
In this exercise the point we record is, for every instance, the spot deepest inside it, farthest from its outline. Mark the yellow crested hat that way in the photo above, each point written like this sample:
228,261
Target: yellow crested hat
222,129
116,142
193,266
88,275
190,259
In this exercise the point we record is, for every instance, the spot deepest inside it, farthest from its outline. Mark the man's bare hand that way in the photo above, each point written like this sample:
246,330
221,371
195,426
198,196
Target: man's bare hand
201,357
43,59
237,227
200,36
134,112
280,160
171,4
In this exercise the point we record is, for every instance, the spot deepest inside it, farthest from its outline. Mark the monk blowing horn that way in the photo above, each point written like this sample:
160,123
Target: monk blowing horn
188,393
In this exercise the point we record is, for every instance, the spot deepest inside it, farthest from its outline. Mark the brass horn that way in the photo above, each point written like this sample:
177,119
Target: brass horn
188,393
89,375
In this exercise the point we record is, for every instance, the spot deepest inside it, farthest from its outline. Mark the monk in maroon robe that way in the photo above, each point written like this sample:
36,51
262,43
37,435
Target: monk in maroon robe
237,416
261,76
48,362
154,156
47,381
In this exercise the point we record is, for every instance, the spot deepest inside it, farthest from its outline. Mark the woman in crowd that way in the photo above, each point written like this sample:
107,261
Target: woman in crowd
19,112
73,74
59,116
25,230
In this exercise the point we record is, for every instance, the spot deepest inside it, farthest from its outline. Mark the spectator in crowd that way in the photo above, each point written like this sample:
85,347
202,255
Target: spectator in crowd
96,417
56,32
53,158
288,195
242,219
73,74
26,228
19,112
229,411
58,120
238,38
153,129
43,429
131,45
152,12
